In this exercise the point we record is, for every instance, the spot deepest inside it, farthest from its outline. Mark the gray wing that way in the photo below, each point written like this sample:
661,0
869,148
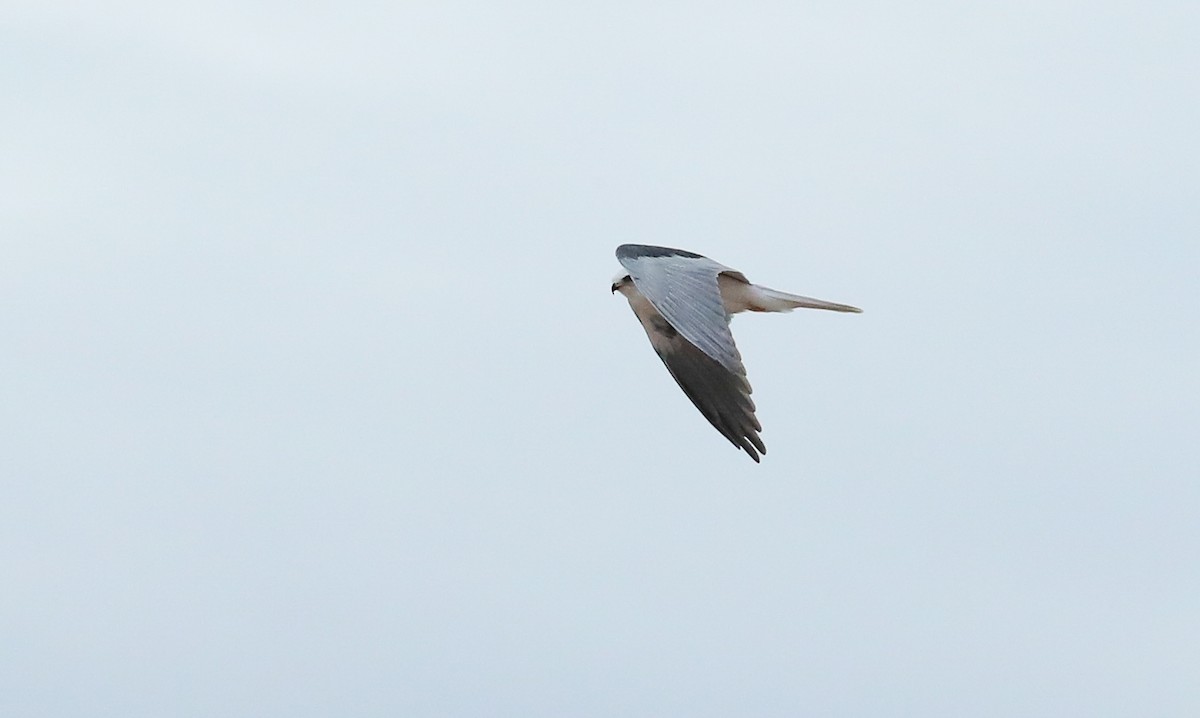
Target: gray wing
682,286
721,395
690,333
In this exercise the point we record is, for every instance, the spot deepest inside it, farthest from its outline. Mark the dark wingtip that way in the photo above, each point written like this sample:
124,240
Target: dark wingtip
637,251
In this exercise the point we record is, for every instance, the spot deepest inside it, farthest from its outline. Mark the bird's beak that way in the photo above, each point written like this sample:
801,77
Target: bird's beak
614,289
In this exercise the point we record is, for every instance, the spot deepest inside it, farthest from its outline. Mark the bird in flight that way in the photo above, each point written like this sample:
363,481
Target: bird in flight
684,302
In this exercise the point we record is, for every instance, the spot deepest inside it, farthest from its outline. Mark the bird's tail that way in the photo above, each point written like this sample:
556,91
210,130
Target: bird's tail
773,300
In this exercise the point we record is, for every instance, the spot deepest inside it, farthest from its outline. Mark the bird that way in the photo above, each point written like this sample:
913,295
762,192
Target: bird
685,302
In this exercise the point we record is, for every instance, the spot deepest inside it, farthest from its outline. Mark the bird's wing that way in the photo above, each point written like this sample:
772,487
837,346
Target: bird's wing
689,328
682,286
721,395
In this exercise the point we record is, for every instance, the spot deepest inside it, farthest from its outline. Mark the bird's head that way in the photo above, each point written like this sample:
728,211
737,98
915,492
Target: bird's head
620,282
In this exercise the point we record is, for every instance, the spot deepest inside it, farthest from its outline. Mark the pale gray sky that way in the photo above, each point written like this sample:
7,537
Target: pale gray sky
316,401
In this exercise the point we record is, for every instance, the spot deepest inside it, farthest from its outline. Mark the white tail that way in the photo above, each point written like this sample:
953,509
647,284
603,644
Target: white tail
763,299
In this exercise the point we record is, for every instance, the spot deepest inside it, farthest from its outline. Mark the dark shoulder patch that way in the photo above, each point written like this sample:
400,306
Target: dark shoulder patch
662,326
640,251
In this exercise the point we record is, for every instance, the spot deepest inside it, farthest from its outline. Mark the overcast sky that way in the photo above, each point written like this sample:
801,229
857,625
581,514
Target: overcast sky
315,400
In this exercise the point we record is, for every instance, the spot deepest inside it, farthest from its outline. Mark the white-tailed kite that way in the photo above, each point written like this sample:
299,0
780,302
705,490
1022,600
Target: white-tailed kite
685,301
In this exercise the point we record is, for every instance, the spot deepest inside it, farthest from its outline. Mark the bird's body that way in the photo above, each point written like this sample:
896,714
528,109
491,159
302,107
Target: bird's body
684,302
